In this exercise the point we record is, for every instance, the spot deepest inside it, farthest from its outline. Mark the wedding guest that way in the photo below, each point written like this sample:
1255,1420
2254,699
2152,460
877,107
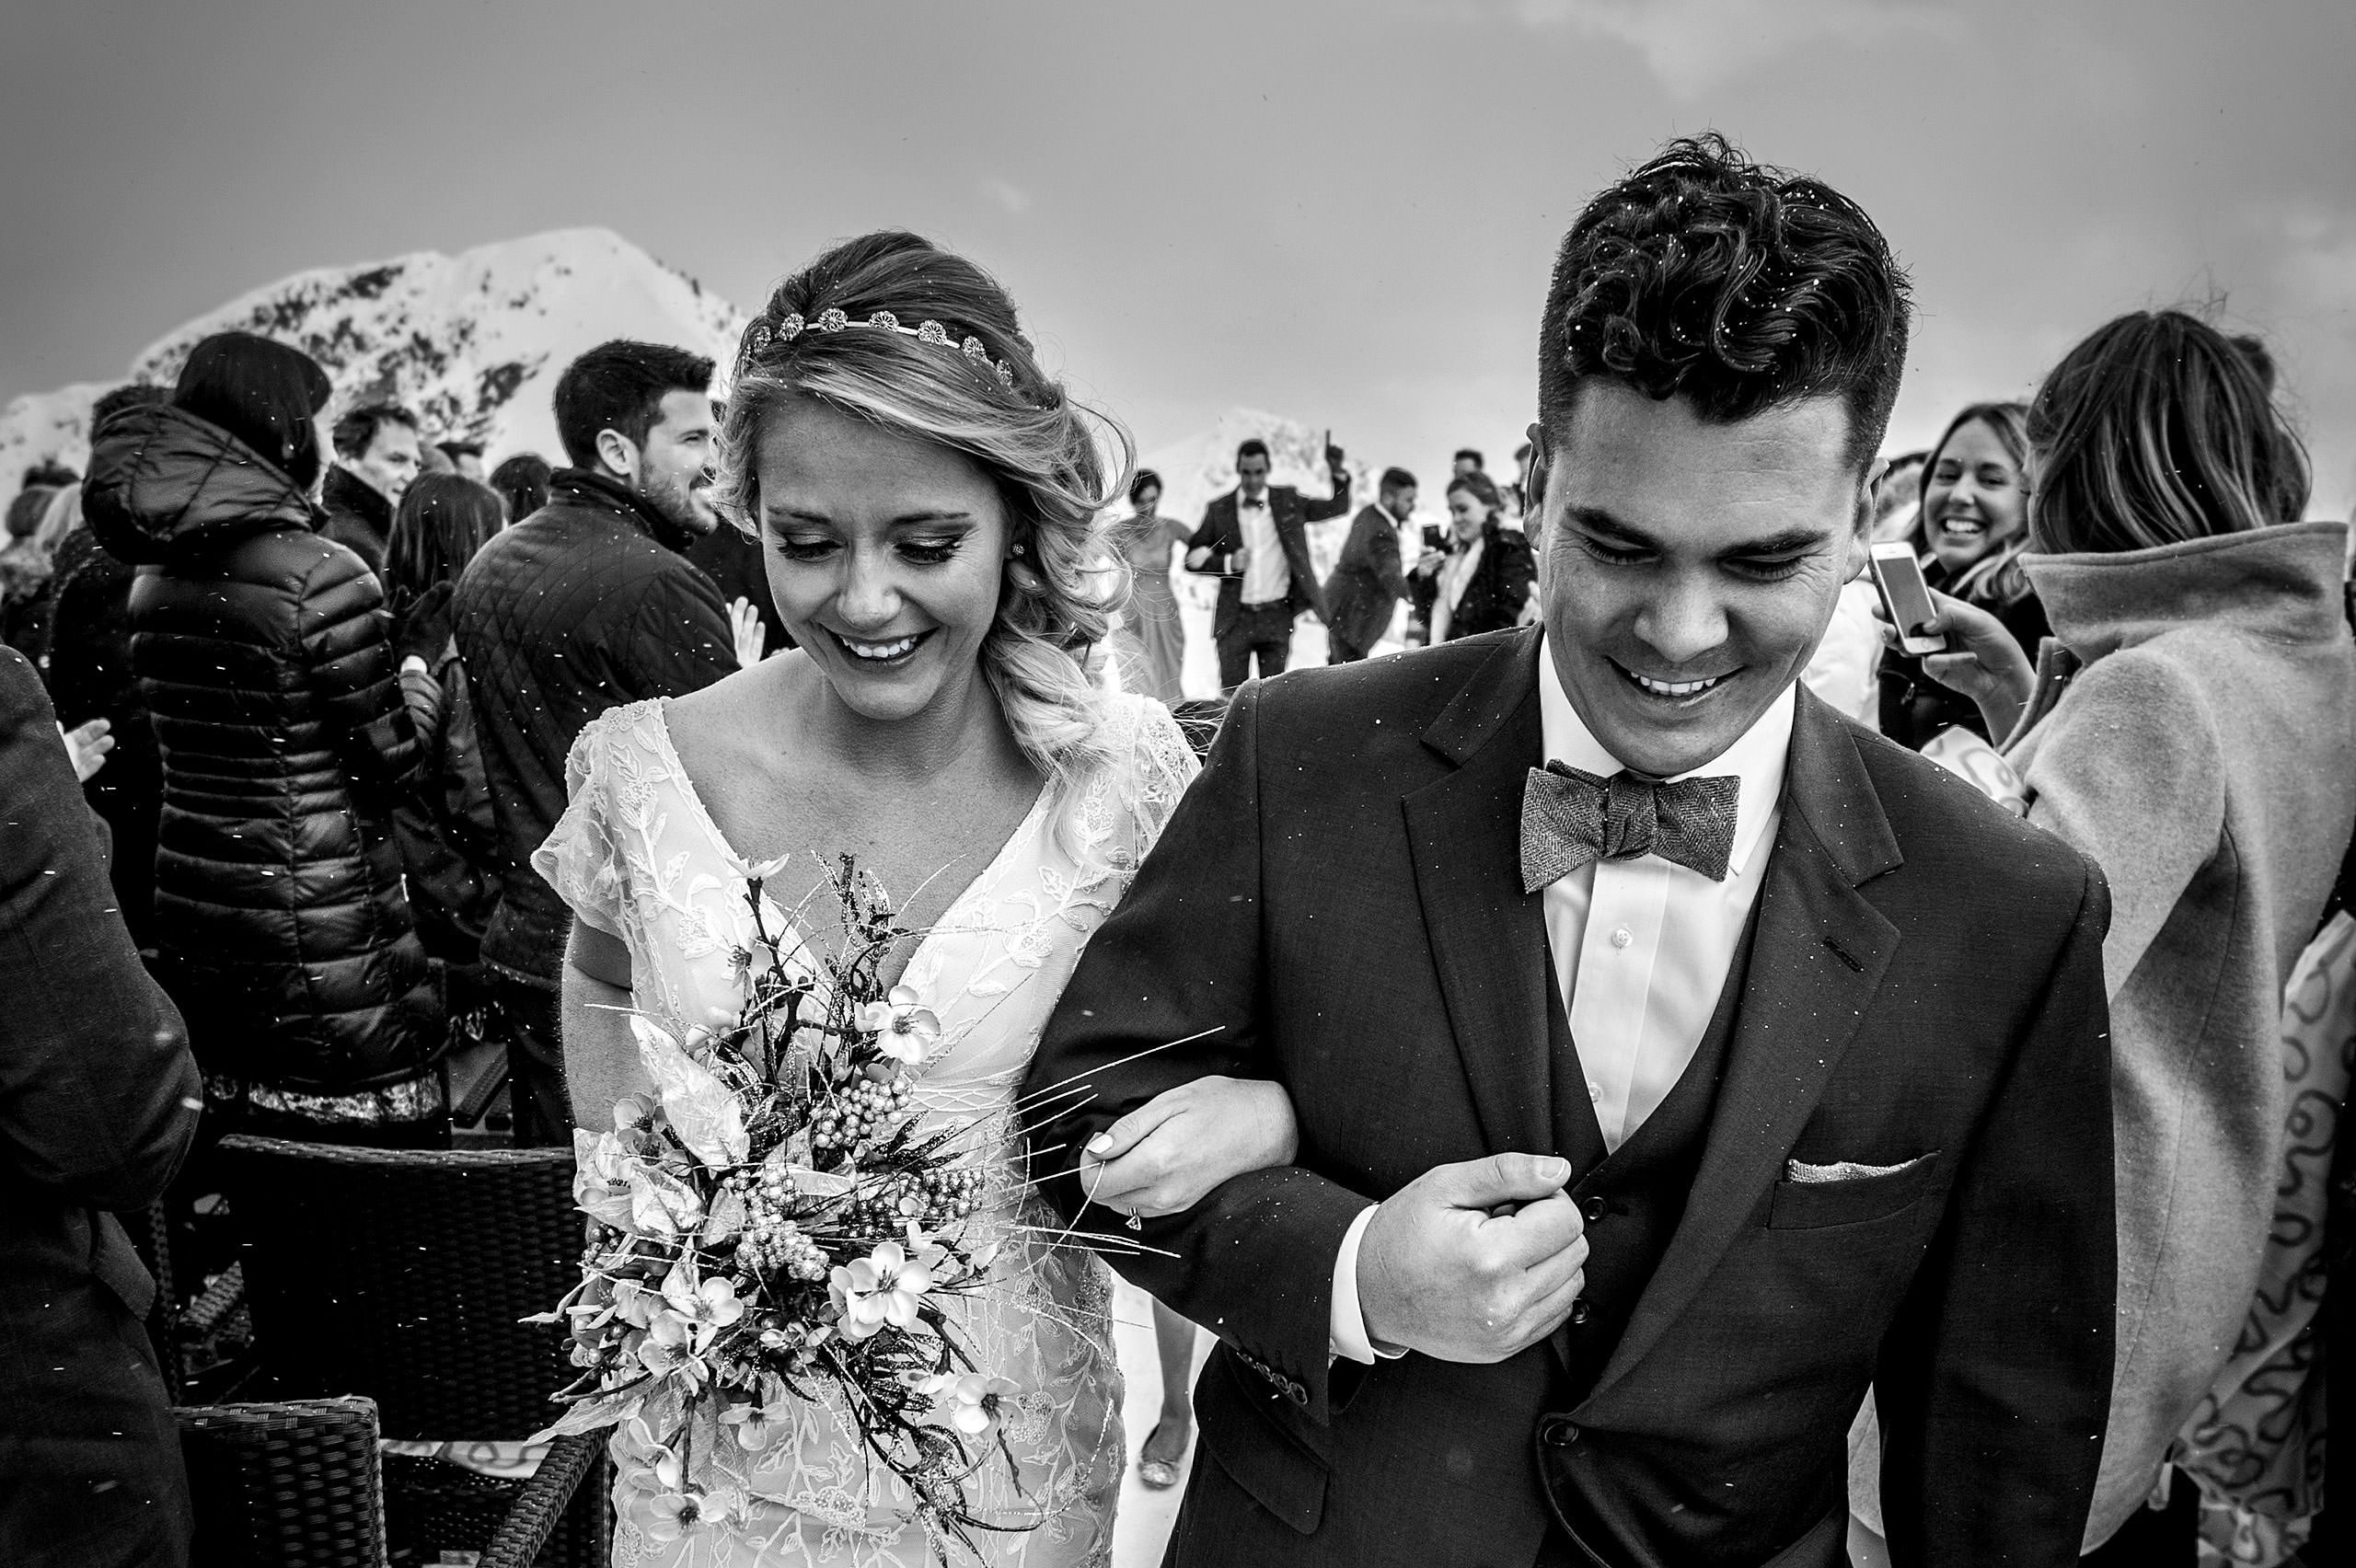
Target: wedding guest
90,677
1251,539
1363,593
1467,461
98,1102
381,453
734,565
1151,641
29,570
2195,734
1897,499
264,654
1487,579
23,565
587,604
448,835
1973,526
465,457
522,482
1518,493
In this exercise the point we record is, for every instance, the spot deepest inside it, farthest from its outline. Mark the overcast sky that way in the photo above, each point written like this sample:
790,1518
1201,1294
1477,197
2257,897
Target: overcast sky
1339,210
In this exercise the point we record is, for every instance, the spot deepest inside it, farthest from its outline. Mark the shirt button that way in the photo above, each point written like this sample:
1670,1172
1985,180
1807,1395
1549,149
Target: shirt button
1594,1093
1623,936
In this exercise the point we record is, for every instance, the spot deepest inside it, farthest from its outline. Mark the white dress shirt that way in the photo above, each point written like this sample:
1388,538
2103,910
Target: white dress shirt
1640,948
1267,574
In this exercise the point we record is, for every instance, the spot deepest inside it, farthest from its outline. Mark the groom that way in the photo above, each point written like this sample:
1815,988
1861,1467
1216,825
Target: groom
1672,1058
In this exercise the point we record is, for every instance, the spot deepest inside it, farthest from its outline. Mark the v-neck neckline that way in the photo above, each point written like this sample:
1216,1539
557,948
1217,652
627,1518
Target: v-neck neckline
744,866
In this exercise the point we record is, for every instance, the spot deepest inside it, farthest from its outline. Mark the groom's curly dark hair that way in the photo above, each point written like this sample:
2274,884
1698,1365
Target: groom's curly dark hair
1731,284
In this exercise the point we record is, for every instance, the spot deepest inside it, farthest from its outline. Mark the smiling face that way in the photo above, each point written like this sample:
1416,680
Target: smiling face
1973,499
392,461
1466,515
1251,475
884,557
675,467
1690,568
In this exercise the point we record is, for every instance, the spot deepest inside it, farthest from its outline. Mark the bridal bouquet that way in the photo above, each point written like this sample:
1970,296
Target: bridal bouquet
772,1227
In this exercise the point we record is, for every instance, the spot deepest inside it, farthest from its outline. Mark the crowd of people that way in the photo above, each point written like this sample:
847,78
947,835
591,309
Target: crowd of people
385,760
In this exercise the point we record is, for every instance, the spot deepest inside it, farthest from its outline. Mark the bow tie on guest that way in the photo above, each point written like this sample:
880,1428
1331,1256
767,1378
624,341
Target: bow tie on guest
1248,504
1570,817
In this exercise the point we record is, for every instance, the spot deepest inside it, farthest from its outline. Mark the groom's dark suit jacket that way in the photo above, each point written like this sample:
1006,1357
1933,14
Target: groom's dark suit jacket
1337,899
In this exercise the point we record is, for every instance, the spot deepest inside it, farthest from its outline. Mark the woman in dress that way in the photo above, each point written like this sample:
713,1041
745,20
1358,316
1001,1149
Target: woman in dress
1150,641
1488,579
925,499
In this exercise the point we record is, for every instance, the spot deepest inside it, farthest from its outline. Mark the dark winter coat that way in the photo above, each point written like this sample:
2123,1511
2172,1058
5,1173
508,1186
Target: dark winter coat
1494,595
448,836
264,653
583,606
1916,709
358,517
96,1087
90,677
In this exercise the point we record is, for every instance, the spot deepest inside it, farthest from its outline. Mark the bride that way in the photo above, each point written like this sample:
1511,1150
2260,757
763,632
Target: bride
925,498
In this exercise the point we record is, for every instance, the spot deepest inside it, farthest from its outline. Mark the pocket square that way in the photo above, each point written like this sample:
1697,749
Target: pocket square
1806,1175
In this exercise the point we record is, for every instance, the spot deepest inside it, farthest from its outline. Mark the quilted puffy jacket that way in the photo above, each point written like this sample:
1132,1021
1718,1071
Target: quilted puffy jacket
263,651
583,606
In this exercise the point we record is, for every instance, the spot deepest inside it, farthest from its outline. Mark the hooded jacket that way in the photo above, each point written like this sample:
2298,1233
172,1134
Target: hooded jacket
264,655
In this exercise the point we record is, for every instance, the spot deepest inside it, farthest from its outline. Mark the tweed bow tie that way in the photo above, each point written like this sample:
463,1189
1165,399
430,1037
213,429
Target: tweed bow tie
1569,817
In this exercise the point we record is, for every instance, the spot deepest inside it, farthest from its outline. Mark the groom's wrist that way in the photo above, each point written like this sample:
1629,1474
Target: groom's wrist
1349,1336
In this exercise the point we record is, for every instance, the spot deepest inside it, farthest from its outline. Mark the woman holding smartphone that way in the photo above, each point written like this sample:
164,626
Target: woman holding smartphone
1970,533
2193,730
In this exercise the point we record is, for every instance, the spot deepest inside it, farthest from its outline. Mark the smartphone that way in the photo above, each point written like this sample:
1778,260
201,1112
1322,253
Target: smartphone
1908,598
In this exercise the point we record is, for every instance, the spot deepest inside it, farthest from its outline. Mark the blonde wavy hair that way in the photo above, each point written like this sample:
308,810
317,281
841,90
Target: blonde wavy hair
1057,464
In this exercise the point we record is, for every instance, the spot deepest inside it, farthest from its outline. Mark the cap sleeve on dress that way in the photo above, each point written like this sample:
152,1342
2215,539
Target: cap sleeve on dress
580,859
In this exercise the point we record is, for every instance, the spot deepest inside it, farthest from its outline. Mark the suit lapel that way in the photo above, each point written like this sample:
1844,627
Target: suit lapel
1488,938
1817,958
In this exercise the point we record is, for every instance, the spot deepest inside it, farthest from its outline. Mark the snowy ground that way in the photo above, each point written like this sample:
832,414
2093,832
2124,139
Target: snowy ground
1142,1527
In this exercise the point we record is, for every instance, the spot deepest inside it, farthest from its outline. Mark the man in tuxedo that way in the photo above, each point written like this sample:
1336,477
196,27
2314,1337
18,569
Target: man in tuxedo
1252,540
1672,1058
1369,581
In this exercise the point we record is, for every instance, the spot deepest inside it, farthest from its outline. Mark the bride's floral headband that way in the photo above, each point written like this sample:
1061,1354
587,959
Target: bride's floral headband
762,334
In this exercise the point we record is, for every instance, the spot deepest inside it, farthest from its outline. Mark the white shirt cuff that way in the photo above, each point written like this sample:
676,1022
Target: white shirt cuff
1346,1334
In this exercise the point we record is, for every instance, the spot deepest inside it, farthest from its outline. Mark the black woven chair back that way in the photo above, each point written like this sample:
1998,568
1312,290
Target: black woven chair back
283,1485
403,1275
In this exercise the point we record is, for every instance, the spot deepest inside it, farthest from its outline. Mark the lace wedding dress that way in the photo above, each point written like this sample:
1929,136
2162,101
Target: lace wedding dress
638,856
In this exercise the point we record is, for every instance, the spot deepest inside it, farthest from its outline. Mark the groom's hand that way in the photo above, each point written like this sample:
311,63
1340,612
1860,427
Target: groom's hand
1474,1261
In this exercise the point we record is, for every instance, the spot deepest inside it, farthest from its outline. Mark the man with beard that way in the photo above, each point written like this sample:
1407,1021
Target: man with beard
588,603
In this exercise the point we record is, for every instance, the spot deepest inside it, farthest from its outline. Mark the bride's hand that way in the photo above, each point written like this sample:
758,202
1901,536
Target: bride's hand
1166,1155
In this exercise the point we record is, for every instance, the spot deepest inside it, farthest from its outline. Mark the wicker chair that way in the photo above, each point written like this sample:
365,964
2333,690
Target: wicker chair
293,1484
404,1275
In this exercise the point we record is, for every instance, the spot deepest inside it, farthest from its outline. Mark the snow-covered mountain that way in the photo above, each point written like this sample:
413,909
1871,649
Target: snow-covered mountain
473,342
